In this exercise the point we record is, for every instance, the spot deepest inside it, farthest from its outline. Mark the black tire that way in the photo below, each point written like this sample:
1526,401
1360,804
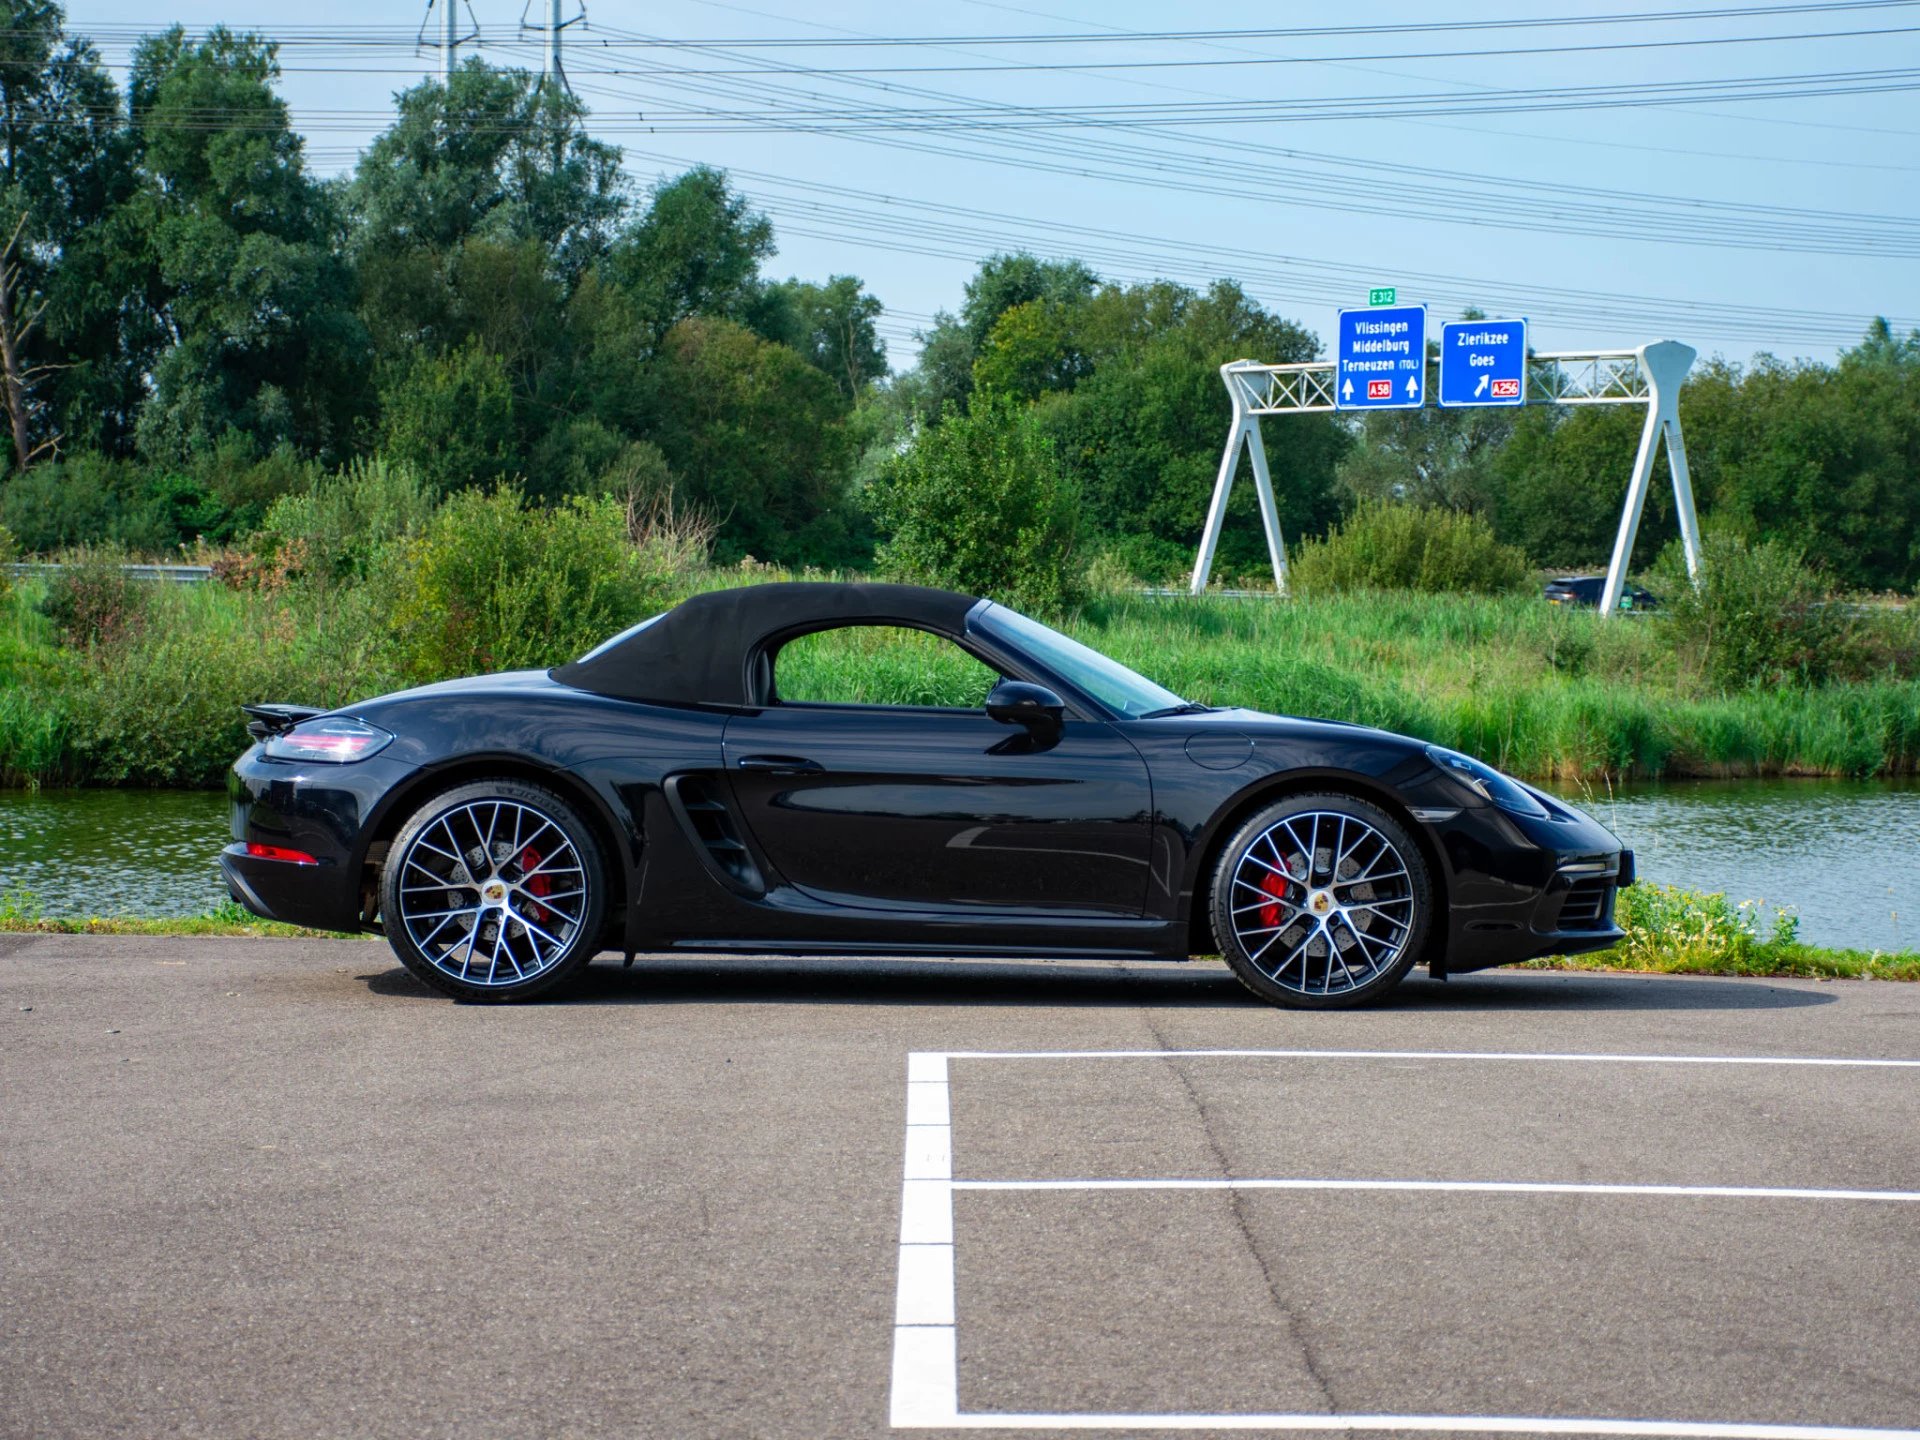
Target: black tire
539,905
1321,902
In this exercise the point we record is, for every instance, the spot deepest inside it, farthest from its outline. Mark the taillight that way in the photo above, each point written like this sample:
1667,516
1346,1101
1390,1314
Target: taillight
277,852
334,740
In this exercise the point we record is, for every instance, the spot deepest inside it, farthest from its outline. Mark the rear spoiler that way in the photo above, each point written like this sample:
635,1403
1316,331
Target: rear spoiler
266,721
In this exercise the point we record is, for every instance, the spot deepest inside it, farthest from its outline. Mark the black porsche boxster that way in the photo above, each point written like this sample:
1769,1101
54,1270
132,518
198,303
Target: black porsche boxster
666,792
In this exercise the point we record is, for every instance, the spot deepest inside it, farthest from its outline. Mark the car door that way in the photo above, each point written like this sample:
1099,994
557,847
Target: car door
936,807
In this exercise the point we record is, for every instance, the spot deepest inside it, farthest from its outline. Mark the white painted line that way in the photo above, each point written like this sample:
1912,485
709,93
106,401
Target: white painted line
927,1103
1447,1424
926,1212
926,1356
926,1372
929,1152
925,1293
1487,1187
927,1065
1840,1062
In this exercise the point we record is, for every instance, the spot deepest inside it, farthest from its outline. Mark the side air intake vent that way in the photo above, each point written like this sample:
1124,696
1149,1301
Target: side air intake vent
704,811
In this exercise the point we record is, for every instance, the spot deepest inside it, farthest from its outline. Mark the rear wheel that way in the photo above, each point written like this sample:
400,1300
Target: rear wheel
1321,901
494,891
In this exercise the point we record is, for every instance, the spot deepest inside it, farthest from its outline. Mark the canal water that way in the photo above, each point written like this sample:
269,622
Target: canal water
1843,855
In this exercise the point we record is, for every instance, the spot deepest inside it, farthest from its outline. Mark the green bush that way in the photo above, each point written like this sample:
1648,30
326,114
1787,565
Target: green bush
85,500
93,600
9,553
163,706
980,504
450,418
1758,618
492,585
1385,546
335,531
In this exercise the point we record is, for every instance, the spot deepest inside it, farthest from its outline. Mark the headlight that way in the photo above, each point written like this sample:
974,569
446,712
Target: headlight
1488,782
333,740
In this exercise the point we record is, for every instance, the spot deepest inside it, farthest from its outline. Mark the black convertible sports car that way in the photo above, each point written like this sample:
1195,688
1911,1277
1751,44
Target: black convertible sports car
664,792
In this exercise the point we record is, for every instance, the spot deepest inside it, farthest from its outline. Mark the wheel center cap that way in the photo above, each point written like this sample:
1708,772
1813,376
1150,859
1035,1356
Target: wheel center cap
493,892
1320,902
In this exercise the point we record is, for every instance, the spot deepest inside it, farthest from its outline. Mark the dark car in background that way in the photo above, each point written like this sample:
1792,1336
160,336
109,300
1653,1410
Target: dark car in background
674,790
1587,589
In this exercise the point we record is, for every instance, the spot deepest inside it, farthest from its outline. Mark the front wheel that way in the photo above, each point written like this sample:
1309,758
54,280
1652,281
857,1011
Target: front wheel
493,891
1321,901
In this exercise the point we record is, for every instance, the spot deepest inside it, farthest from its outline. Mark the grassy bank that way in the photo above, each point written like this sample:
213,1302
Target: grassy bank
1669,932
19,915
1543,692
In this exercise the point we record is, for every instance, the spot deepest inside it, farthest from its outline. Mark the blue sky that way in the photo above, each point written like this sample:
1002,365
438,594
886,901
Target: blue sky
1196,202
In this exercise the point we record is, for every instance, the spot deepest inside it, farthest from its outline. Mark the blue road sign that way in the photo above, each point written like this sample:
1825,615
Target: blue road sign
1483,362
1381,362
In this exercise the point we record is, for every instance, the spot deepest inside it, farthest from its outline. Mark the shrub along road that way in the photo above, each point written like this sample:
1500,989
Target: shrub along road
276,1189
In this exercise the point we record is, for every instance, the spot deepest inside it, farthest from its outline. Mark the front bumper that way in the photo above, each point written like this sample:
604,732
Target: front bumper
1525,888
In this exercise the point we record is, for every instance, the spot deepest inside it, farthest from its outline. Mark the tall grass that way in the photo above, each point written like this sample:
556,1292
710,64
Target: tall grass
1539,691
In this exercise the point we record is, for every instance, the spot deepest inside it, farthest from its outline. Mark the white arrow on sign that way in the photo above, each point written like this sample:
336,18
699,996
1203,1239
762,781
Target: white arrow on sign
1481,388
1346,391
1413,387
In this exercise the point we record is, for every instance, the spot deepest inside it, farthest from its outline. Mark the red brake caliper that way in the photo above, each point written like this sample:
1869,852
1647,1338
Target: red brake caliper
1276,886
537,885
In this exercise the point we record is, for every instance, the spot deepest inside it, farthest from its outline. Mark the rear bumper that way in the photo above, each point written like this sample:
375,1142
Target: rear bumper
321,896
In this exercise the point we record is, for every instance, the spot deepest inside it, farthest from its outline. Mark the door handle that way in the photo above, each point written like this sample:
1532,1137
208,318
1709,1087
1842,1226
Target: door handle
780,764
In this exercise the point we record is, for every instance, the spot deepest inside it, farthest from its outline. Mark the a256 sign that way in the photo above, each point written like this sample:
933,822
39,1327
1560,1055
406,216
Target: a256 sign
1483,362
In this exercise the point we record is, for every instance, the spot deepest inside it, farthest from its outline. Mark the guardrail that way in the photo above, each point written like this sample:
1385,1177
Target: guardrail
172,574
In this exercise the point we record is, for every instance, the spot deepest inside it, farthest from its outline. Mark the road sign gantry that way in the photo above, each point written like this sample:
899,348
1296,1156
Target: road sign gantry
1649,375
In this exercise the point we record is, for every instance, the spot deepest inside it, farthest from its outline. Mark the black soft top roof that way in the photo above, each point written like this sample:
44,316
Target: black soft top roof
716,648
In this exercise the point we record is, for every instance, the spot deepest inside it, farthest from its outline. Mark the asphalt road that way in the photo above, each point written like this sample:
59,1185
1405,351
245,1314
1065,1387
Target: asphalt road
255,1188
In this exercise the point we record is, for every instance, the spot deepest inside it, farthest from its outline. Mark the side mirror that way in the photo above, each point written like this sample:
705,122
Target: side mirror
1015,702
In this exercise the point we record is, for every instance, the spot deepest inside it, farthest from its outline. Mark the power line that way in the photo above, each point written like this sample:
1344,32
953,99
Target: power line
400,35
1573,210
1056,66
963,233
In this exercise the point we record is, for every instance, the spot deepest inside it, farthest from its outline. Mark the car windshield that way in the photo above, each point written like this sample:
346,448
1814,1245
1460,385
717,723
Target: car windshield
1108,681
621,638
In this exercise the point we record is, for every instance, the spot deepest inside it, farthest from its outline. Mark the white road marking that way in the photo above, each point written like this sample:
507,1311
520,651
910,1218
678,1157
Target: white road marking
926,1359
1491,1187
1448,1424
926,1355
1576,1056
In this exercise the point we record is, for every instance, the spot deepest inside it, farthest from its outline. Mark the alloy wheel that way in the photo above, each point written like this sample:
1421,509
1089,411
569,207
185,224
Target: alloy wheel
1322,903
493,893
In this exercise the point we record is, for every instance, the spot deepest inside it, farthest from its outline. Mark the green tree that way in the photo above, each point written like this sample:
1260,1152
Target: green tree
1560,480
831,325
757,439
1142,433
77,357
450,418
1817,456
980,503
1432,456
250,287
495,155
695,251
951,347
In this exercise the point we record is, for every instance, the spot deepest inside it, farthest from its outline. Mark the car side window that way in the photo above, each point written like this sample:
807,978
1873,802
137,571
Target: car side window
880,665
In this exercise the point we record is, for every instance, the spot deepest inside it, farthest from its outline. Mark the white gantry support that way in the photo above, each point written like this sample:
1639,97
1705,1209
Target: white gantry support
1650,375
1663,367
